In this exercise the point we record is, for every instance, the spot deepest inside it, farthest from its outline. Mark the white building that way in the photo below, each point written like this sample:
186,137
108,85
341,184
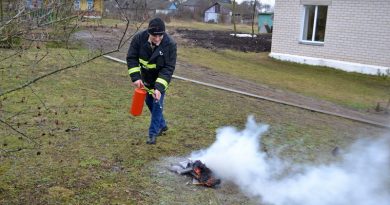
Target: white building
218,13
352,35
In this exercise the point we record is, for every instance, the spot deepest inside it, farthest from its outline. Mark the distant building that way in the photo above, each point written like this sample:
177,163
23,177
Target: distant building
265,22
218,13
134,10
190,5
347,35
165,8
225,1
90,8
35,4
40,12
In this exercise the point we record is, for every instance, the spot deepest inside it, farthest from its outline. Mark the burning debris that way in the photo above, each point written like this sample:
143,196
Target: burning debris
201,174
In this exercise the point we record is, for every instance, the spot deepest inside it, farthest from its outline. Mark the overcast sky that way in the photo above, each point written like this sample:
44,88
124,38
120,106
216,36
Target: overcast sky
272,2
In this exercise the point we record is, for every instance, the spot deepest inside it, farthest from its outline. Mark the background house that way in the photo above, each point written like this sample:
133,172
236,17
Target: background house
41,11
265,22
348,35
218,13
133,10
33,4
190,5
90,8
164,7
139,10
192,9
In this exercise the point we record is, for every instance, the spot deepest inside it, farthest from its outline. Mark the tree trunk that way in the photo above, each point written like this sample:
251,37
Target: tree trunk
234,18
1,10
253,18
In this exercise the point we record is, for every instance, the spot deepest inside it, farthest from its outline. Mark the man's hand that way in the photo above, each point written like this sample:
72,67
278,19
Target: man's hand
157,95
138,84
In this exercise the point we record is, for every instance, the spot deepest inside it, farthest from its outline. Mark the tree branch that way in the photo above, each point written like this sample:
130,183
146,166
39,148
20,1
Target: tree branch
56,71
12,150
39,98
12,55
12,19
71,66
123,36
21,133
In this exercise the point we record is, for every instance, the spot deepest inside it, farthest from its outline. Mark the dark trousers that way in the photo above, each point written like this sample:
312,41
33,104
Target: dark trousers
157,121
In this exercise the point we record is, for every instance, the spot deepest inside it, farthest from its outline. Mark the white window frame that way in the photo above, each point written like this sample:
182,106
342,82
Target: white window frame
312,41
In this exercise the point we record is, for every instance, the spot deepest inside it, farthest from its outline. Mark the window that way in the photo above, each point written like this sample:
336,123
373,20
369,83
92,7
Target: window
90,5
314,23
77,4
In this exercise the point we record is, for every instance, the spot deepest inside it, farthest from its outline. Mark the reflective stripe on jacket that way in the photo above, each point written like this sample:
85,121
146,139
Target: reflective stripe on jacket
155,68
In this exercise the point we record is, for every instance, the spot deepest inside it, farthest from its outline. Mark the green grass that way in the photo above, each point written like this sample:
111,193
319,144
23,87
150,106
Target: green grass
349,89
93,152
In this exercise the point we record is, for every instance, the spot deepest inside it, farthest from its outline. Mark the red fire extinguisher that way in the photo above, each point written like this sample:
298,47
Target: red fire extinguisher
138,102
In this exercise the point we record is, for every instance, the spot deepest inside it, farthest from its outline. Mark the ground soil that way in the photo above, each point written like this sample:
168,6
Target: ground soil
103,38
226,40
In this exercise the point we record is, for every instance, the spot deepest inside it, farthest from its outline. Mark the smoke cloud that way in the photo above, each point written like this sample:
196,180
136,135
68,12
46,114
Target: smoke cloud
362,177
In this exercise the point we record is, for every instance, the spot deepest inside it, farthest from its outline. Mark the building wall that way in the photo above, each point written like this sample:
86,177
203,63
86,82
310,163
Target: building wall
97,6
264,19
357,32
32,4
83,5
210,10
211,17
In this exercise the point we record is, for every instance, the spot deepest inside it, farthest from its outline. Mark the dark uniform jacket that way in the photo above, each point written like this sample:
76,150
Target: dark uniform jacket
154,67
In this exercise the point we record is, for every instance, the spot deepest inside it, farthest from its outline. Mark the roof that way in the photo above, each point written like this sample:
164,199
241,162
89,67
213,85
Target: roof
265,14
223,5
191,3
160,4
224,1
227,6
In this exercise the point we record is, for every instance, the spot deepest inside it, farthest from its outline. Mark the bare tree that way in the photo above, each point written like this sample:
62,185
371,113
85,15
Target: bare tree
253,17
24,29
234,18
1,10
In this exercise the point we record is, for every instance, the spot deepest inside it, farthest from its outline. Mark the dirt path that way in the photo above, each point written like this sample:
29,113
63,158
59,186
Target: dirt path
103,38
227,193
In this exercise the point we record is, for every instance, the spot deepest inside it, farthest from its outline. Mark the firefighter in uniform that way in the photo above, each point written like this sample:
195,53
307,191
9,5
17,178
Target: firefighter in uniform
151,61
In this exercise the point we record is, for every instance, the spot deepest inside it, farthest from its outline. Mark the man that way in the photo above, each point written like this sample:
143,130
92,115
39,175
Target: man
151,60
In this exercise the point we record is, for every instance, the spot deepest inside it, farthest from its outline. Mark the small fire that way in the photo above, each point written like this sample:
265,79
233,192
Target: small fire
359,177
204,175
201,174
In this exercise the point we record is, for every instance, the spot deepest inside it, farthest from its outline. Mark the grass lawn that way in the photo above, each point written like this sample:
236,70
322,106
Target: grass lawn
241,28
91,151
174,24
352,90
349,89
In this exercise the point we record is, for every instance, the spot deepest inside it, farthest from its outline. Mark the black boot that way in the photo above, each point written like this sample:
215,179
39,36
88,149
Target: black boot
163,130
151,140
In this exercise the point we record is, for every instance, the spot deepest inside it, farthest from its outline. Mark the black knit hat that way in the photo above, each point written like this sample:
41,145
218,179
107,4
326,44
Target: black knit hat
156,26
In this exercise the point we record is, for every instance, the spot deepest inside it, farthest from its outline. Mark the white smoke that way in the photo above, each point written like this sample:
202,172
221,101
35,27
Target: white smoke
362,177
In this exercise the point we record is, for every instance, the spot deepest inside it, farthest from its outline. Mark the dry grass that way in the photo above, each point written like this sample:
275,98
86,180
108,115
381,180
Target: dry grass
241,28
92,152
349,89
